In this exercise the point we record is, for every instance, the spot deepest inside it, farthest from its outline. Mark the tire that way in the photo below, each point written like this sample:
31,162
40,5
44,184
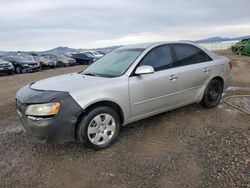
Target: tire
94,133
213,94
60,64
18,70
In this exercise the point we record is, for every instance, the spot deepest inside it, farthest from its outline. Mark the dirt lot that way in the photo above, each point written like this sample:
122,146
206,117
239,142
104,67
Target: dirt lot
188,147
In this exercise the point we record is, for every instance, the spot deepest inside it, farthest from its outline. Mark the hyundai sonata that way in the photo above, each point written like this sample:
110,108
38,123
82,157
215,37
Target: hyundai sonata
129,84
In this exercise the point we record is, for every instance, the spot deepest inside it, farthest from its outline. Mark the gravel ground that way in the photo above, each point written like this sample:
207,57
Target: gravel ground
187,147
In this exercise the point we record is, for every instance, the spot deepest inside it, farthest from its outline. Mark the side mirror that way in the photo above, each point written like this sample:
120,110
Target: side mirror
144,70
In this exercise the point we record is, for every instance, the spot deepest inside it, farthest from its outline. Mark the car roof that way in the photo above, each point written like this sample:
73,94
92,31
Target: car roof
154,44
146,46
137,46
246,39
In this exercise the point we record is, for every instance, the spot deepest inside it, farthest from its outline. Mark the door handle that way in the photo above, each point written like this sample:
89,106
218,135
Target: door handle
173,77
207,70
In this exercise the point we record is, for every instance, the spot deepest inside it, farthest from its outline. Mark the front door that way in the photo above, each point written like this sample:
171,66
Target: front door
154,92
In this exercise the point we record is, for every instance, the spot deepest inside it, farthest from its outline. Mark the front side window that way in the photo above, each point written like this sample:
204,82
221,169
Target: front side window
114,64
159,58
188,54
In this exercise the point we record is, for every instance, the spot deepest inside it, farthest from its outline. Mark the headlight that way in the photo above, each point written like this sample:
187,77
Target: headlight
49,109
25,65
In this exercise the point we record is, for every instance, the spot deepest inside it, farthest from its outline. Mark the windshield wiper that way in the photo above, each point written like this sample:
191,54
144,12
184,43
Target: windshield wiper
97,75
90,74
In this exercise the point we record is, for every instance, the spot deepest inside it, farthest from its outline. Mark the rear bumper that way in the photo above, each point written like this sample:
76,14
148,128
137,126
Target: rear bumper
58,129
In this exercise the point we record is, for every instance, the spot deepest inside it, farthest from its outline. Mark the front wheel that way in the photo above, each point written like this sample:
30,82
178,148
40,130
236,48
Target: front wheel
99,128
213,94
19,69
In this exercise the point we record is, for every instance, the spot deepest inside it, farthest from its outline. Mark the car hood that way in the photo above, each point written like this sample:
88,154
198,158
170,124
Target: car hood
68,82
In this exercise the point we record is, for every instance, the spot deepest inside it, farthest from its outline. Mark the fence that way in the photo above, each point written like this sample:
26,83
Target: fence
219,45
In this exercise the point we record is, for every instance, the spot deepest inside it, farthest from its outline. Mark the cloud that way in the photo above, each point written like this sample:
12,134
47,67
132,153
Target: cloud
43,24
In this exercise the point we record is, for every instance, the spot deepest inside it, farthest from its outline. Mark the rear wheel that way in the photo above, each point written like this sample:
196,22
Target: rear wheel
99,128
213,94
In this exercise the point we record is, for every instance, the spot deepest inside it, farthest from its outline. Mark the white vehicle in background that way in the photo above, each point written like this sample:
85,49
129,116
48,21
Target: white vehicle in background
96,54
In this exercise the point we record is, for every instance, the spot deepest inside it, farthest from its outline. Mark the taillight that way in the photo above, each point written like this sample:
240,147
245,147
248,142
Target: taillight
230,65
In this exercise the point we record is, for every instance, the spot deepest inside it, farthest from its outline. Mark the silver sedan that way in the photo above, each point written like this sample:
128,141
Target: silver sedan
129,84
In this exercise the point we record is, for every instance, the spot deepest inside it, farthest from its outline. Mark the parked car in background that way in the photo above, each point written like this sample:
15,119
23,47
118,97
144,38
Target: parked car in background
242,47
44,61
128,84
84,58
61,60
23,63
96,54
6,67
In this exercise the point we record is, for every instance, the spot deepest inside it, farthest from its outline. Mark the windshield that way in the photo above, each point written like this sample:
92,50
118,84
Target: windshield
114,64
60,56
96,53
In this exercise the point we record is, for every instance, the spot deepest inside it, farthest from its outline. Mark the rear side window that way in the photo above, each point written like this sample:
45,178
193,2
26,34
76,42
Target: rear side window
159,58
188,54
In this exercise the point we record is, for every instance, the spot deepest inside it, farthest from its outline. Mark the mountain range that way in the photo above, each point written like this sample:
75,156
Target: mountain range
107,49
63,50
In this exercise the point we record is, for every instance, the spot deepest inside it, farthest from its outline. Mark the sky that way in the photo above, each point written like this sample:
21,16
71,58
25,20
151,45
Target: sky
46,24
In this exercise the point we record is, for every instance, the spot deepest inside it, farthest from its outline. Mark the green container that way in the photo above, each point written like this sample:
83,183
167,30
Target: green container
242,47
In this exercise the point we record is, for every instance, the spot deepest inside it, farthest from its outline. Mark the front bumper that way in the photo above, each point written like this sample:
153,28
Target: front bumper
58,129
6,69
31,69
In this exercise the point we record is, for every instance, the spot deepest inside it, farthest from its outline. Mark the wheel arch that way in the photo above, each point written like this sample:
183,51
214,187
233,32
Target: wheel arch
214,78
220,79
108,103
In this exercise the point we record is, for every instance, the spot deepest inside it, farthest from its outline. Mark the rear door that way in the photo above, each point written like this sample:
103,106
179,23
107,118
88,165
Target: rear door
193,67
